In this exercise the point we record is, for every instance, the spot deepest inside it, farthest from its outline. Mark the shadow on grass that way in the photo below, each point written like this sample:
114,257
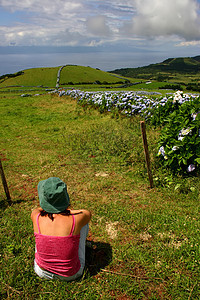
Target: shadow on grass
4,203
98,256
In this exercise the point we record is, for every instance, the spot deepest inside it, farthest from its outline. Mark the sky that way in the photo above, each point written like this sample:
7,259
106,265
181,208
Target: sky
102,34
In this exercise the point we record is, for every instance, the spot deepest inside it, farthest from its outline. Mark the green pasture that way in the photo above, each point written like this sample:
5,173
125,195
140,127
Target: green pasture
37,80
32,78
144,242
70,74
80,75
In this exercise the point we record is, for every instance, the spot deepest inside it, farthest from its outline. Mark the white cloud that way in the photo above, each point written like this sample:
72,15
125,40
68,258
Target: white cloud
45,6
94,22
166,18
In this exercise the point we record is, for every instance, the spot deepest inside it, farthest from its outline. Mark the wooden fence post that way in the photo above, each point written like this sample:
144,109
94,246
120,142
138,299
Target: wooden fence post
5,184
146,152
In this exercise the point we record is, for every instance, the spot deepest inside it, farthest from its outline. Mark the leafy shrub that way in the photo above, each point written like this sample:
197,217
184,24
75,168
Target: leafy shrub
179,144
171,86
11,75
193,87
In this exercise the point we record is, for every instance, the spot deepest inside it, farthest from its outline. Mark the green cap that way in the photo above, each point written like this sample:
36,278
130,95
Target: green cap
53,195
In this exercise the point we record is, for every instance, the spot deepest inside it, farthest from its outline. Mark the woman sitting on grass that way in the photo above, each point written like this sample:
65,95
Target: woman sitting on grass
60,233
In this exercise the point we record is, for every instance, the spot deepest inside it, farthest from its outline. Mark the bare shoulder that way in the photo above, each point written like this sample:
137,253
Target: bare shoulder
35,212
82,215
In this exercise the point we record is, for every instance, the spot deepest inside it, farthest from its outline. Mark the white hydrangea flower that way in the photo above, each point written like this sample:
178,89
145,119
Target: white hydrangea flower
161,151
191,168
175,148
194,115
177,96
185,131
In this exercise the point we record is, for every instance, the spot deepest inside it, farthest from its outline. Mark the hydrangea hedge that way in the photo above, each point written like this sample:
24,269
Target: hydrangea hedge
178,116
179,144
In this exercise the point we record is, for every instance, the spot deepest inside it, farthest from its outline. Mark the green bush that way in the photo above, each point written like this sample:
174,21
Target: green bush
179,144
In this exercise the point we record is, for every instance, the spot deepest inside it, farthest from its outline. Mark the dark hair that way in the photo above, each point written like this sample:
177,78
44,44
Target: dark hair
65,212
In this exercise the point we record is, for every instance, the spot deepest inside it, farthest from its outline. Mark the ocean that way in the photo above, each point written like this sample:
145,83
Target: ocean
106,61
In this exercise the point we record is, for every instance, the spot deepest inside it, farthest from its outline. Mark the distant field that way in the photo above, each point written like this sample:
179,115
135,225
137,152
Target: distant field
70,75
80,74
38,80
180,73
33,77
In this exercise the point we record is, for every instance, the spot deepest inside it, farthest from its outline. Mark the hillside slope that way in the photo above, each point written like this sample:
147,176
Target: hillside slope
86,75
170,65
70,74
32,77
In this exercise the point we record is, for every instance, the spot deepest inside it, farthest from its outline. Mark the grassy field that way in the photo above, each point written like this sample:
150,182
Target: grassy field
80,74
144,242
38,80
70,74
32,78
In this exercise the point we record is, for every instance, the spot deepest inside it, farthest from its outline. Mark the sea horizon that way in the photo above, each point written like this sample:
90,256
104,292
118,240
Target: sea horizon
105,61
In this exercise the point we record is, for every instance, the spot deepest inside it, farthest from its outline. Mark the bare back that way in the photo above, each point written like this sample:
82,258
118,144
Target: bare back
62,224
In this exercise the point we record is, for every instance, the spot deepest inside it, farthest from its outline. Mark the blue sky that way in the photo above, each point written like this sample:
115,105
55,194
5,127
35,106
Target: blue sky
126,33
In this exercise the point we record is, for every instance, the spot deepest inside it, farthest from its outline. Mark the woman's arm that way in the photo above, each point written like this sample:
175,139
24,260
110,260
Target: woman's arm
82,216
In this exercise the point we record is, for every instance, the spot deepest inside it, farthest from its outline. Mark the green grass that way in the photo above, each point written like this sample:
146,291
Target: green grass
33,77
80,75
70,74
145,242
36,80
180,65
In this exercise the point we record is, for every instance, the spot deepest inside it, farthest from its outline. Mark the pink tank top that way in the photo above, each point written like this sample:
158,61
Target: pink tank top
58,254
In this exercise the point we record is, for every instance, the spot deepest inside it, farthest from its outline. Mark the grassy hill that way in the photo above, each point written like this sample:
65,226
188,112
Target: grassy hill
86,75
181,73
32,77
171,74
70,74
170,65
